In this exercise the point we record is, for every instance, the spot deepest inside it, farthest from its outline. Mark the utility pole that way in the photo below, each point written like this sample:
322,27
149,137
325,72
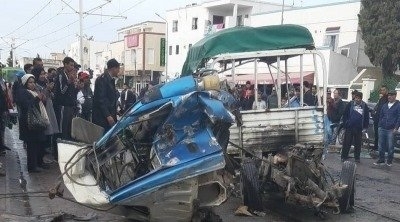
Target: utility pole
283,9
13,51
80,12
81,33
166,46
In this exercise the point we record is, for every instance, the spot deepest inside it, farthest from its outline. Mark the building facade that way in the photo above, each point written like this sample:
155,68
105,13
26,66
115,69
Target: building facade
47,63
337,34
142,50
187,25
90,48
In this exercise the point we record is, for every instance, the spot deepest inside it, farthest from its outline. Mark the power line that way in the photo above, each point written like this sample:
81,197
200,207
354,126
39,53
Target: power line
48,20
90,27
47,34
37,13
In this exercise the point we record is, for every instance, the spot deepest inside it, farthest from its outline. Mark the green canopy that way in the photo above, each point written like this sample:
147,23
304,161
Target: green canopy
246,39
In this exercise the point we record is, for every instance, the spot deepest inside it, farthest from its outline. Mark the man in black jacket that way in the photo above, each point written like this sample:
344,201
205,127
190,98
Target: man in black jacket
355,120
105,97
377,110
336,114
309,99
65,96
128,98
3,114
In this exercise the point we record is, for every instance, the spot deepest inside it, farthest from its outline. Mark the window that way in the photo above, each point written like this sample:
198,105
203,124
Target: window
139,56
218,19
190,46
332,37
177,50
175,26
239,21
150,56
170,50
345,52
133,53
194,23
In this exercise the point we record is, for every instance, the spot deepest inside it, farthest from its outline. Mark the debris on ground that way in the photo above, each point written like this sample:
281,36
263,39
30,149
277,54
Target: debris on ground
57,217
243,211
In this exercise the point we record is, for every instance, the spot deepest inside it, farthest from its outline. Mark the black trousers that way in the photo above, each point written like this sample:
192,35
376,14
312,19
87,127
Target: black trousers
67,114
355,136
376,126
33,153
2,131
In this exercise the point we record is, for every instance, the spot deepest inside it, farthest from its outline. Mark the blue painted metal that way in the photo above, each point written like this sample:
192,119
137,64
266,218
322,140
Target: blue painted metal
184,144
166,176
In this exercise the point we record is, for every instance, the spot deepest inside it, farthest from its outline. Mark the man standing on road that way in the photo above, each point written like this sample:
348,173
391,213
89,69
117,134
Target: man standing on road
105,97
355,120
336,114
382,101
389,122
128,98
4,106
65,96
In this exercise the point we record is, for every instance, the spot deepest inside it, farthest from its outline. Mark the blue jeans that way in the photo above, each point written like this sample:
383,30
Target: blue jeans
385,144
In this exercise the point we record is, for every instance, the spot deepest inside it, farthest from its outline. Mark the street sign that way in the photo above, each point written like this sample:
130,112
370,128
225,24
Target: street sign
162,52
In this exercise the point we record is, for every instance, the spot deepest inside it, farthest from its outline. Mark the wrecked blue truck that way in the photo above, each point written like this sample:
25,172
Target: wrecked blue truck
186,144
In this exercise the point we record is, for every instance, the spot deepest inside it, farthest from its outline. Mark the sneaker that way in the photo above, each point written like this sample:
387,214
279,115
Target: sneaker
379,163
389,163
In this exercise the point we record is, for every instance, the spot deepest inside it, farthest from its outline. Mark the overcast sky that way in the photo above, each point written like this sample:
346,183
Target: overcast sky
44,26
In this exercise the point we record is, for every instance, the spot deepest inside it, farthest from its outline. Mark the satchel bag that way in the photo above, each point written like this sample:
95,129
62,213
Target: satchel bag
35,120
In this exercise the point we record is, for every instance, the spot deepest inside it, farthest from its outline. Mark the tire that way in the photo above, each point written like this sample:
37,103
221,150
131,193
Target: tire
348,175
251,186
340,136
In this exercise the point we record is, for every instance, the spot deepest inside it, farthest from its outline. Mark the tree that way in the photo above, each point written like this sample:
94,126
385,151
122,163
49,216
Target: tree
10,59
379,22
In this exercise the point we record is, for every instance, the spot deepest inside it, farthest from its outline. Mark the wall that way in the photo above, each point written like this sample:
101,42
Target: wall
317,19
204,12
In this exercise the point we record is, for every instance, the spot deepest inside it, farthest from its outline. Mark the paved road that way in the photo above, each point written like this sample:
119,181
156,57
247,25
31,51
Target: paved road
377,189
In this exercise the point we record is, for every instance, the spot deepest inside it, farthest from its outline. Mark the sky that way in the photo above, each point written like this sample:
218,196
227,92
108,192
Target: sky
45,26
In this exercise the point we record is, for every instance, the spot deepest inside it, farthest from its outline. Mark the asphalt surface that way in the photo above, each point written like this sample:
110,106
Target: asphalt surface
377,194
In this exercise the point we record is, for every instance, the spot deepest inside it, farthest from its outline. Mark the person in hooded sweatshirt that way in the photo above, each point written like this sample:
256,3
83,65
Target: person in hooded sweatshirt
356,120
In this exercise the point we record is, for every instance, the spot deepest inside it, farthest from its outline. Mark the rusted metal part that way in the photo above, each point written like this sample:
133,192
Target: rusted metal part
56,191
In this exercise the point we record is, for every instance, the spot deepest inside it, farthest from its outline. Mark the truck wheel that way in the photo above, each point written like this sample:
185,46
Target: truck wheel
251,186
348,176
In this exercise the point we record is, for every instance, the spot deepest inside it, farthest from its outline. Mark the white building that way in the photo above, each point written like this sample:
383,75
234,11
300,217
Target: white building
187,25
143,52
90,48
336,32
54,62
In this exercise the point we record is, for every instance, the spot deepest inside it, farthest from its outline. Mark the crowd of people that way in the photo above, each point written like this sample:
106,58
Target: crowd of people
57,96
48,101
353,116
246,97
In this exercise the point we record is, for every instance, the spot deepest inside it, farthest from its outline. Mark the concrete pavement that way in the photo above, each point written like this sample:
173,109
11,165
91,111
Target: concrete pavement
377,194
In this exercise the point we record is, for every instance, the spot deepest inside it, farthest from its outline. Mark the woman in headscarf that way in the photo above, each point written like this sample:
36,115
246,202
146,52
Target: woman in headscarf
30,98
46,87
